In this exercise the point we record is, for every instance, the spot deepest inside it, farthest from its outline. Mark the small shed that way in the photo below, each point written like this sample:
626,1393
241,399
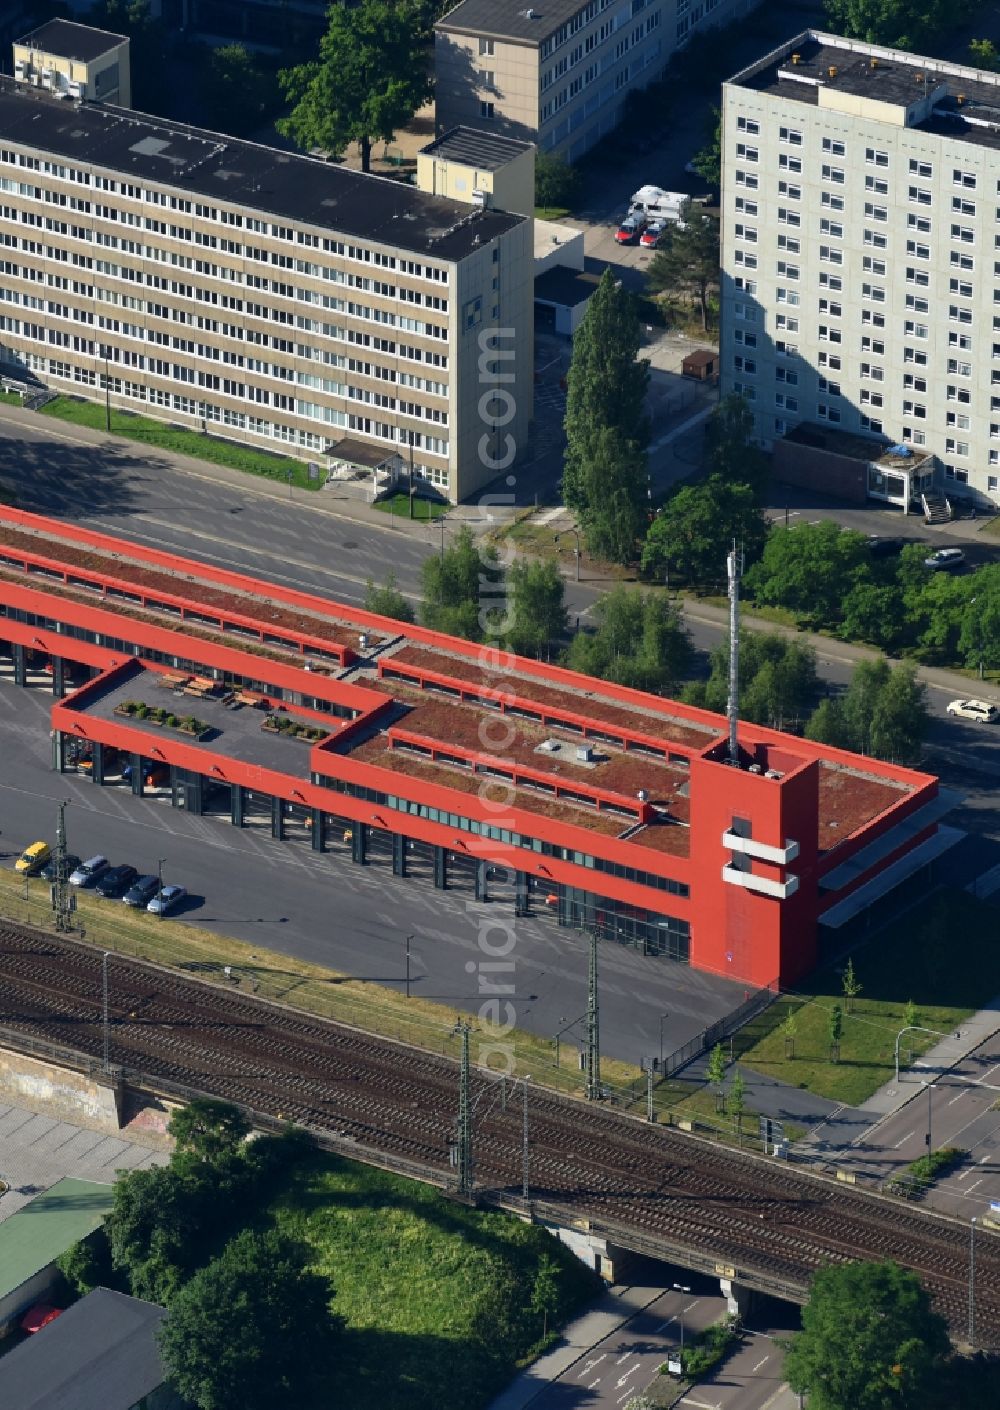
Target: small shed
32,1239
702,365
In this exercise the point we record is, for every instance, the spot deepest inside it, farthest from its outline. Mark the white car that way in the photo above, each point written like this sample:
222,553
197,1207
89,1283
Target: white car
973,710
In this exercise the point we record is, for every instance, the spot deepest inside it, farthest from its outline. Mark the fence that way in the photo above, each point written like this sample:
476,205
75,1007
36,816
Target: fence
706,1040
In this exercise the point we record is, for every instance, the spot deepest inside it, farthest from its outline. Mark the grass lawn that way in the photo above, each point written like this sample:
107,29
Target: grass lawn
943,956
435,1295
992,528
10,399
312,988
423,508
540,541
166,437
555,213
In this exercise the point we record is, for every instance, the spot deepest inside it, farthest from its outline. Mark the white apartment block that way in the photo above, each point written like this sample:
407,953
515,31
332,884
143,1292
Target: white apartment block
558,75
270,298
861,254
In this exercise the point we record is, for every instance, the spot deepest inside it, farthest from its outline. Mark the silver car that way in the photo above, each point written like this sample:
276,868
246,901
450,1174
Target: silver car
89,871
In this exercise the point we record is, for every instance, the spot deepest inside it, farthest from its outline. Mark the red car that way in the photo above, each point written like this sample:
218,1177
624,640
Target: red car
39,1316
630,229
653,234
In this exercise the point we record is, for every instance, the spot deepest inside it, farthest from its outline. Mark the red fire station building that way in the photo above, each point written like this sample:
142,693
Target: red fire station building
453,764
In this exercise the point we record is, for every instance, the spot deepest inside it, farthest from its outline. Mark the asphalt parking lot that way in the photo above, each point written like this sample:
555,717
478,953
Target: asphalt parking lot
323,909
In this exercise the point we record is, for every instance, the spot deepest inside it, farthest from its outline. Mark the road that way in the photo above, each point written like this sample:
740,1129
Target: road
324,909
962,1107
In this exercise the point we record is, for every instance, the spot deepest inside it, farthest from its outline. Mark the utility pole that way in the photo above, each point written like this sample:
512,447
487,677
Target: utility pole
593,1026
159,891
972,1284
649,1093
408,939
62,903
464,1144
524,1141
106,1009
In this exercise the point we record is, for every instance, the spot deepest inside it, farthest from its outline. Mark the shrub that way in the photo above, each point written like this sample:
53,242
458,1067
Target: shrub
141,710
171,721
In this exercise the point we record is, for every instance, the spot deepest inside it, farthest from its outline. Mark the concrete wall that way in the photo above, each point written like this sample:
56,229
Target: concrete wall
816,469
16,1303
59,1091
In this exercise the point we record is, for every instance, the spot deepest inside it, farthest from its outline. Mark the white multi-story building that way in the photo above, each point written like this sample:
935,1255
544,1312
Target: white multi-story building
861,262
272,298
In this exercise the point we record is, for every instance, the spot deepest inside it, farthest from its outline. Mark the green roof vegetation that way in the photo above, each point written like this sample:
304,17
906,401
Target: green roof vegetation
37,1234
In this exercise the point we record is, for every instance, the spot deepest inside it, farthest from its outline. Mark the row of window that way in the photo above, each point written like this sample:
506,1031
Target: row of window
874,156
234,219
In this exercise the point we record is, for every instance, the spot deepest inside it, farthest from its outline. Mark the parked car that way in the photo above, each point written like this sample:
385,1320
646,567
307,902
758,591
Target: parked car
879,547
980,710
33,858
166,900
70,863
946,559
653,234
89,871
116,881
39,1316
630,229
142,891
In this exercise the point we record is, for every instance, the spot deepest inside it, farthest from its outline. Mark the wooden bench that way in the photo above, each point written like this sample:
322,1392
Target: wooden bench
172,681
252,698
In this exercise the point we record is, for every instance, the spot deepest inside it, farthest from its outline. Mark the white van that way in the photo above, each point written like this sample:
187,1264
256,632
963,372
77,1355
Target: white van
657,204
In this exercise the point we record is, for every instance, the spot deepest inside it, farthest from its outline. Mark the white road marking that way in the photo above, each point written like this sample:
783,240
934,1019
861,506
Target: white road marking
975,1185
759,1364
902,1139
963,1093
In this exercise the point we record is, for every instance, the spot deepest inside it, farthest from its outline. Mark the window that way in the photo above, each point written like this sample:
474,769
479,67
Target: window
834,174
919,359
747,340
876,158
914,384
962,287
873,212
788,217
919,196
832,228
831,201
953,447
747,207
831,388
918,251
486,111
919,222
486,47
869,398
958,421
919,438
830,281
965,233
785,403
957,313
917,276
876,239
917,304
787,271
830,255
789,135
830,360
747,233
743,123
747,154
877,184
872,345
966,179
794,193
959,340
786,375
870,423
829,335
747,179
957,368
789,243
915,408
960,260
961,206
787,163
786,296
745,364
831,145
873,372
827,413
959,394
918,168
914,330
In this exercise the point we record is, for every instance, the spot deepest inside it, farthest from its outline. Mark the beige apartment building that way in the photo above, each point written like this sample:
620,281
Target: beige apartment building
558,74
861,263
75,61
270,298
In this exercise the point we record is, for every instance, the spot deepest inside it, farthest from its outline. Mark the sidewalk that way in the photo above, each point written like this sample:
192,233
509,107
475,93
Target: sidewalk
612,1310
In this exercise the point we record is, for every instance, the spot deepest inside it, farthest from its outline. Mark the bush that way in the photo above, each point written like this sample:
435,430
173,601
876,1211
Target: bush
141,710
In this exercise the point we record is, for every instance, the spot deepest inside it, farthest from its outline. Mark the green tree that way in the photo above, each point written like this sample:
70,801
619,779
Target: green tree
371,76
210,1130
827,724
979,629
639,640
237,92
715,1073
696,528
869,1339
463,589
688,258
148,43
777,679
835,1022
738,1099
87,1264
809,569
252,1329
912,1014
387,600
901,719
607,431
790,1028
730,451
707,161
983,54
155,1231
850,984
874,612
545,1291
557,184
535,593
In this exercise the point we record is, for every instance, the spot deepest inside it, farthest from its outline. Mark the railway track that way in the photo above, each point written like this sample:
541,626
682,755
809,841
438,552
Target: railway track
738,1209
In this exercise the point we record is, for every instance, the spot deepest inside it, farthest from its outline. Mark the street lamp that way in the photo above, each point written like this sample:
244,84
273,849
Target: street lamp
576,550
662,1017
927,1138
106,353
159,892
408,939
681,1288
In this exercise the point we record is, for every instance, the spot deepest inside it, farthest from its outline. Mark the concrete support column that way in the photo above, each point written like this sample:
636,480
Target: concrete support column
136,774
195,794
318,833
97,772
521,907
739,1299
58,751
563,907
440,869
236,805
359,844
398,854
278,819
58,677
481,893
20,663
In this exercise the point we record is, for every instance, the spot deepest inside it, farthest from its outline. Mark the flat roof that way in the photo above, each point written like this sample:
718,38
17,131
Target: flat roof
48,1226
69,40
853,444
471,147
216,167
567,287
964,101
101,1354
509,19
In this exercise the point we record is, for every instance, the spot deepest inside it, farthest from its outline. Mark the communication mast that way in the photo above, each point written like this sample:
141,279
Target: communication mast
734,569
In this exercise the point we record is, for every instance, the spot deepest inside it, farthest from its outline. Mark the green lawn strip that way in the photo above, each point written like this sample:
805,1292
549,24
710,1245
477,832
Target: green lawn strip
312,988
555,213
992,528
397,505
434,1295
920,1174
708,1348
10,399
181,441
943,957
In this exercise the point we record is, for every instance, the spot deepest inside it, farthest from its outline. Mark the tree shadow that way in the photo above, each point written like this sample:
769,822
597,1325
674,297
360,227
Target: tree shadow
80,481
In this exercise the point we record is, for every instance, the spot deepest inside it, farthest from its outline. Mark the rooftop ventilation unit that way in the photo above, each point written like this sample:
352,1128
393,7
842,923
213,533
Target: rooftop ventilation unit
832,71
585,753
643,795
755,769
796,59
773,773
549,746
